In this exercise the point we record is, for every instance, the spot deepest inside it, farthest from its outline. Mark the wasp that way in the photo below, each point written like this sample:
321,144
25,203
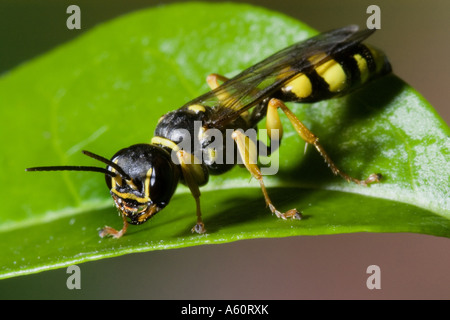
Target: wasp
143,177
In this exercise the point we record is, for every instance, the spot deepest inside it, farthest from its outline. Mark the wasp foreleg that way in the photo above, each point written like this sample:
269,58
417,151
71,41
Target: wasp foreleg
108,231
194,175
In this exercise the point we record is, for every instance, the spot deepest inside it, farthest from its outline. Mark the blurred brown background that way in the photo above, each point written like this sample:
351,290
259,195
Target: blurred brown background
414,34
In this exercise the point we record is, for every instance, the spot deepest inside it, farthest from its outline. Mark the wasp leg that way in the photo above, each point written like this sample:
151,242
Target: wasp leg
213,80
273,125
194,175
310,138
247,150
108,231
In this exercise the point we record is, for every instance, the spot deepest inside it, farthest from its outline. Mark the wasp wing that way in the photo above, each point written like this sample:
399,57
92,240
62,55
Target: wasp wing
253,85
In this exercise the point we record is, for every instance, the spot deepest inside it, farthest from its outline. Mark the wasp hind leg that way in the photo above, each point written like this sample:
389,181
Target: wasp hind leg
247,150
214,80
310,138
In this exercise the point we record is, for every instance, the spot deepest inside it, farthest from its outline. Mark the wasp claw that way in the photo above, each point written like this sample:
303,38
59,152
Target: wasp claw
293,213
374,177
199,228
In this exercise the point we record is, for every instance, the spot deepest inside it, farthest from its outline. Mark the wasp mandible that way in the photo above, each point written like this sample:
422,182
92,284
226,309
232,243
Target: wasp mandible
143,177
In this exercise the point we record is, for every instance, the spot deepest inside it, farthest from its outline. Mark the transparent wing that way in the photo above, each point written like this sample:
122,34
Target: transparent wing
258,82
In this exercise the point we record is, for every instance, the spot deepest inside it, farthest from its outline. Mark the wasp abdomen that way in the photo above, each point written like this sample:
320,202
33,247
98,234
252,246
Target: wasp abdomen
337,76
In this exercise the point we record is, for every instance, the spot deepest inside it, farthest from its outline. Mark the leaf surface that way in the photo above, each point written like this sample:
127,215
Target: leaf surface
106,90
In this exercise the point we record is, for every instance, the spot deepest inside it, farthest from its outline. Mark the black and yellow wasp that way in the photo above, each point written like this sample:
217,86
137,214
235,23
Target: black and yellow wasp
143,177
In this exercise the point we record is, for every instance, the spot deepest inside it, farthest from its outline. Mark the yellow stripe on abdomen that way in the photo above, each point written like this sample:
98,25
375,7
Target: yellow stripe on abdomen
333,74
300,86
362,66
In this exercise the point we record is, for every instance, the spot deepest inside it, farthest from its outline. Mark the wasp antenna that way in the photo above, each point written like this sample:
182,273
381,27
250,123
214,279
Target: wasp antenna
109,163
74,168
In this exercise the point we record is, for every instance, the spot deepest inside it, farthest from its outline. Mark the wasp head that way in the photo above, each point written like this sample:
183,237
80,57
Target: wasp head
143,181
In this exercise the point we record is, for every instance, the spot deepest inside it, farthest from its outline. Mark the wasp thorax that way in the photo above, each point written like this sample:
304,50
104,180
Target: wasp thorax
147,182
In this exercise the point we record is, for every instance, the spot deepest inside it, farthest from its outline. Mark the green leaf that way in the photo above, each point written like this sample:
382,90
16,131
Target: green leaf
106,90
